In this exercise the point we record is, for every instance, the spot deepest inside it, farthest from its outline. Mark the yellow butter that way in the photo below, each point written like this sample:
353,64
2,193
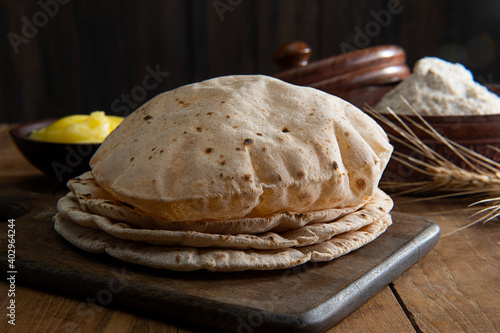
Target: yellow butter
93,128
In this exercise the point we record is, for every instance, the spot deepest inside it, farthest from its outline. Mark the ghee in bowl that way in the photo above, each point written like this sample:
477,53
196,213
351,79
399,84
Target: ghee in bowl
62,148
93,128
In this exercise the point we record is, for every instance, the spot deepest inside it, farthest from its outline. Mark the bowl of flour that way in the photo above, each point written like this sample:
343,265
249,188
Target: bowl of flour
440,88
449,99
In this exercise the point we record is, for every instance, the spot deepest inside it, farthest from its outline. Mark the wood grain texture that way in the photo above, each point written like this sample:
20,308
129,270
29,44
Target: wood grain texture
381,314
89,54
347,64
44,312
457,287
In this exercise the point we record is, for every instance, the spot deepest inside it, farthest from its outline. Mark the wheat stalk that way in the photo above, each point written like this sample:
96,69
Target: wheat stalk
481,177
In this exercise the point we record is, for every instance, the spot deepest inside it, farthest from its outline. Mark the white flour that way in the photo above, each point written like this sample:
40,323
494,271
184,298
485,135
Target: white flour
437,87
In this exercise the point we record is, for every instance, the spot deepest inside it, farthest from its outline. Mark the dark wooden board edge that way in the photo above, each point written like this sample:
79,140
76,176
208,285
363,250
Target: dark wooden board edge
221,316
346,301
340,305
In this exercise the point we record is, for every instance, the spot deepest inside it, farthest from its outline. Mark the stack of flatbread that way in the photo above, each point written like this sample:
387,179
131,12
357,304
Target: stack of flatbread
229,174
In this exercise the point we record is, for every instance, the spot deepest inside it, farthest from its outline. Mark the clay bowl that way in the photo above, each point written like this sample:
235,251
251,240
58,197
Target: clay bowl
474,132
59,160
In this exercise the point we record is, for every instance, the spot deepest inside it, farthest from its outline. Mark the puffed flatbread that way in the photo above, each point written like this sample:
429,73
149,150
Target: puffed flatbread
229,174
242,146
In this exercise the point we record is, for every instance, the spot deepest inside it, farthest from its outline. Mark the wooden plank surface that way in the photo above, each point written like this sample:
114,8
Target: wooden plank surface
44,312
453,288
457,287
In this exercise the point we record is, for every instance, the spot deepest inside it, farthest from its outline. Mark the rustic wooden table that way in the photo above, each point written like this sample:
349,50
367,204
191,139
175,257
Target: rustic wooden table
455,288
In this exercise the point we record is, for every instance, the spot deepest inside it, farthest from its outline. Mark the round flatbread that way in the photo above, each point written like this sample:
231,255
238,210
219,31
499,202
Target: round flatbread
93,199
311,234
190,259
239,147
69,208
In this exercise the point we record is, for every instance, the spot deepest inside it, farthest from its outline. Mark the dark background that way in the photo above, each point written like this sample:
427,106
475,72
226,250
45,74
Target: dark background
86,54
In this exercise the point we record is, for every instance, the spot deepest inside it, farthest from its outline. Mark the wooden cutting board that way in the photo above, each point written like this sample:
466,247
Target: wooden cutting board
308,298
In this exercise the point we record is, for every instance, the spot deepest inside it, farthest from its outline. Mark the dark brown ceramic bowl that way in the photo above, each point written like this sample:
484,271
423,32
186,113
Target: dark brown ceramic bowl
474,132
59,160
